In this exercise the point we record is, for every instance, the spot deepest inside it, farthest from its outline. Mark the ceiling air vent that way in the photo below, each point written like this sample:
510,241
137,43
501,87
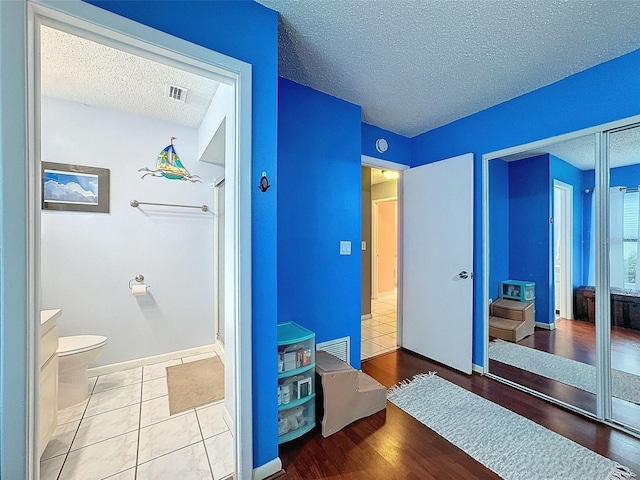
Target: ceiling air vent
179,94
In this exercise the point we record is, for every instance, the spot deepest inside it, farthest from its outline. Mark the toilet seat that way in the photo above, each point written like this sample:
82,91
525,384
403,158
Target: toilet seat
79,343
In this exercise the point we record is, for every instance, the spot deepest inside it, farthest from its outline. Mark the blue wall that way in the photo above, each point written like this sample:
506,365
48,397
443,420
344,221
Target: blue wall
247,31
628,176
601,94
520,205
399,150
319,204
499,225
529,230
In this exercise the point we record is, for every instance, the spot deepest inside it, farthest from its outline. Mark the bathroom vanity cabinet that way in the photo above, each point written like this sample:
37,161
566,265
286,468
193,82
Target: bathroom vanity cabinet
296,381
48,401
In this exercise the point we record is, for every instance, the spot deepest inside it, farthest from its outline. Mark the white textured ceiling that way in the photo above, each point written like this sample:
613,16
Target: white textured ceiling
581,152
414,65
87,72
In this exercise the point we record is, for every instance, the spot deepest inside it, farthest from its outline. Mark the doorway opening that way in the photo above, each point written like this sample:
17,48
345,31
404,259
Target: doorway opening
161,328
92,25
380,252
563,251
385,247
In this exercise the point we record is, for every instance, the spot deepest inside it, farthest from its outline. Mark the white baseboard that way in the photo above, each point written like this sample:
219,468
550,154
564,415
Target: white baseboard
477,368
546,326
366,316
139,362
268,469
219,350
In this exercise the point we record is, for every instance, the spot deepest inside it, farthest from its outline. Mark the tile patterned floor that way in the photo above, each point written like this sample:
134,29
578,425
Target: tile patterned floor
124,432
379,333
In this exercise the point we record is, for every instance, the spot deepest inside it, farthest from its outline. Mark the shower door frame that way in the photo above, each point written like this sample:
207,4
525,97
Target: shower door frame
219,260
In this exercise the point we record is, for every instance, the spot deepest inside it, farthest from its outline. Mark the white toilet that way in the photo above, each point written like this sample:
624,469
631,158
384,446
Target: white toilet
75,353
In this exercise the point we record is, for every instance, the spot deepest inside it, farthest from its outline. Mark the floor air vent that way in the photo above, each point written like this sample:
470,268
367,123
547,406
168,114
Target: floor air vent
340,347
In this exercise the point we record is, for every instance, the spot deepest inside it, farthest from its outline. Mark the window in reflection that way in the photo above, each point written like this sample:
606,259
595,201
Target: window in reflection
624,324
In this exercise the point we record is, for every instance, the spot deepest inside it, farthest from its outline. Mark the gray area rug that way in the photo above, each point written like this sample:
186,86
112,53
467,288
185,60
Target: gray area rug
512,446
625,386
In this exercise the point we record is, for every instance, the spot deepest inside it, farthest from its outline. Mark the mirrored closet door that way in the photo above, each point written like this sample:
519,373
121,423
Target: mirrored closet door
624,275
563,278
541,270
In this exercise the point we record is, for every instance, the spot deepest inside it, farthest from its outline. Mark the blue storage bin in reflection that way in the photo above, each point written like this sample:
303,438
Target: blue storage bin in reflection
518,290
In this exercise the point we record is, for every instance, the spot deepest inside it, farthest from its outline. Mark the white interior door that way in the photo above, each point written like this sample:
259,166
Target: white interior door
563,254
438,261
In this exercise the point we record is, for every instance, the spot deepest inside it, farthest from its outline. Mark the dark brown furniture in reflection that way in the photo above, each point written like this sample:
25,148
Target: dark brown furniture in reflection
625,306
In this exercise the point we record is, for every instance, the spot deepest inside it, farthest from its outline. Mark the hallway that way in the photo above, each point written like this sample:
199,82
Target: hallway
379,333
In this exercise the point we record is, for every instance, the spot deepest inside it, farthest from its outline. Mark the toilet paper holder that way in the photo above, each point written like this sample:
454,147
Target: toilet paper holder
139,279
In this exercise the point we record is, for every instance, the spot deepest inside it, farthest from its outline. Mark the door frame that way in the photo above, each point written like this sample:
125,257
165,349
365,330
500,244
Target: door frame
89,21
374,162
374,241
566,246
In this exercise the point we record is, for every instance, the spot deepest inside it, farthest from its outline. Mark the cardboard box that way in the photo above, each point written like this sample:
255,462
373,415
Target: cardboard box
511,330
513,310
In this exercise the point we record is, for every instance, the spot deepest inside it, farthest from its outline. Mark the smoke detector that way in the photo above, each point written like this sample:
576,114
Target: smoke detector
176,93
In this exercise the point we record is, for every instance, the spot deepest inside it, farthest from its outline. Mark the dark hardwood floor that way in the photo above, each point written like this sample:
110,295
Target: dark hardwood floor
576,340
393,445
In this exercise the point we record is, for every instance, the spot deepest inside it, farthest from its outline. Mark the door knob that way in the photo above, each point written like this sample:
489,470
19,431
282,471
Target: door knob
463,274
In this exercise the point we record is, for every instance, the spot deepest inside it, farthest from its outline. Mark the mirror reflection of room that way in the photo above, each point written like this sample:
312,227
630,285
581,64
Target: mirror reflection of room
624,157
542,238
540,243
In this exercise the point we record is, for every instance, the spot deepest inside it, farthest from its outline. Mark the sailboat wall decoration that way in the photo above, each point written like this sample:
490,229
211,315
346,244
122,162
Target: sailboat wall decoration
169,166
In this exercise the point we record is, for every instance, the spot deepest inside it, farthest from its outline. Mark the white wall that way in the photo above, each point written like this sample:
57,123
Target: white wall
211,147
384,190
88,258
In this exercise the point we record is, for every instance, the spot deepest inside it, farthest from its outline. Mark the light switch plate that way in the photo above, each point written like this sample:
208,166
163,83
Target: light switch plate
364,245
345,247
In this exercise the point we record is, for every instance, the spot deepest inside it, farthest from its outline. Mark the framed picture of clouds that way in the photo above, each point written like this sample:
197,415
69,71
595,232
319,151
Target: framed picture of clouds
75,188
